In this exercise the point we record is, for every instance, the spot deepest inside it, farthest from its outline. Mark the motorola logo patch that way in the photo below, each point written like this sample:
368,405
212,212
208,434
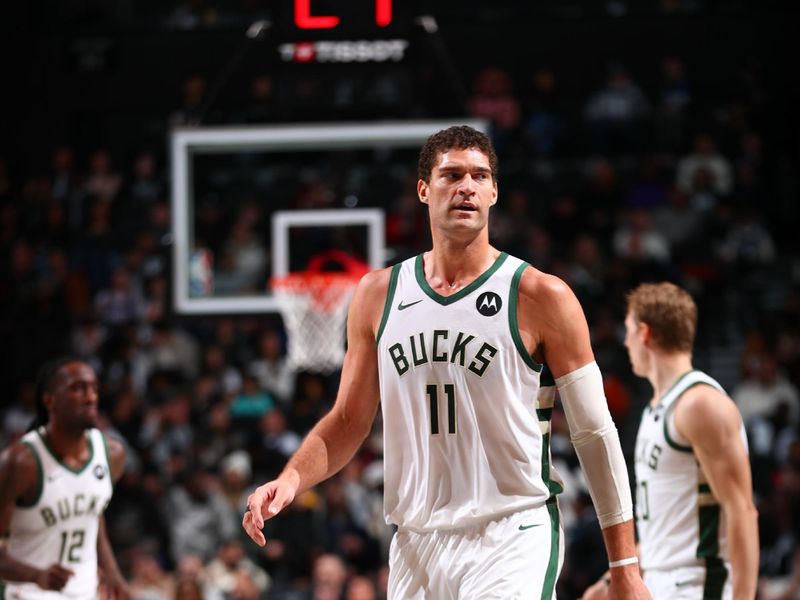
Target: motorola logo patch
99,471
488,304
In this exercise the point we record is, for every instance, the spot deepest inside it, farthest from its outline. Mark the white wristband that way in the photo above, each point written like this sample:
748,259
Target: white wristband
623,561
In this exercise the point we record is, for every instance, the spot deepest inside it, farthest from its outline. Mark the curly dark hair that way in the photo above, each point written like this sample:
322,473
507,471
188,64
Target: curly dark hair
458,137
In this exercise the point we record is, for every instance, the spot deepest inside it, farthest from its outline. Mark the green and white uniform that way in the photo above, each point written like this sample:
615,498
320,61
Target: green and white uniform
467,425
681,526
61,525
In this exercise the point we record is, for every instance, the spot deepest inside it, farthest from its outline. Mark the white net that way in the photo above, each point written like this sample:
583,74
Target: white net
314,308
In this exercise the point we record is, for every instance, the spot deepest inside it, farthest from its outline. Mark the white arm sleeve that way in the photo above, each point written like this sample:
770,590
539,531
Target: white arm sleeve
596,442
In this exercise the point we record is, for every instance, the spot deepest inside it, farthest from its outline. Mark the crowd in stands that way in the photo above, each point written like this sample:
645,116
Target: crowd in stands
634,182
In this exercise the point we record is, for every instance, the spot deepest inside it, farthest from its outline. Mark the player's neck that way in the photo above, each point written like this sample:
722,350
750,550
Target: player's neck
67,445
451,265
665,370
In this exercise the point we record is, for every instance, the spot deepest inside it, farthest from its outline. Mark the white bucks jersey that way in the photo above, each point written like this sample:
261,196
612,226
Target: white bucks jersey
464,417
61,525
680,522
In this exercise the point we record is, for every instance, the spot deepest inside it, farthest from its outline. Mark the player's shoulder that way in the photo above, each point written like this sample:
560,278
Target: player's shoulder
545,289
19,465
706,406
376,281
369,299
116,454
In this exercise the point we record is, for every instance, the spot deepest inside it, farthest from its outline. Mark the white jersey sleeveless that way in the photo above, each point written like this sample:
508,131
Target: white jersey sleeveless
465,420
62,524
679,521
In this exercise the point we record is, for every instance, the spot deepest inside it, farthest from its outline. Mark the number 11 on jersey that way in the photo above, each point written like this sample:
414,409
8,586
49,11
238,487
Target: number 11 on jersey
432,391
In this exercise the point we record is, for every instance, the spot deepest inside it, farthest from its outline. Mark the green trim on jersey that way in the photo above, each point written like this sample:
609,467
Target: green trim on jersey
548,589
2,591
708,549
716,575
39,480
553,486
419,271
387,306
708,546
670,441
704,488
108,457
673,444
76,470
544,414
513,323
674,385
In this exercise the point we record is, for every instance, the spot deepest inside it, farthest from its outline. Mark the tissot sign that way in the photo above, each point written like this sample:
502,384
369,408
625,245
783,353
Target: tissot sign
374,22
344,51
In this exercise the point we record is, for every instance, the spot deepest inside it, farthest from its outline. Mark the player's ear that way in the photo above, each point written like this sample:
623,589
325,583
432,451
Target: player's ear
48,398
647,334
422,191
494,194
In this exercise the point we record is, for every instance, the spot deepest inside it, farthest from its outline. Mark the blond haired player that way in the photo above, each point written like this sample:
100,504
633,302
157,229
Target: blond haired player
452,343
697,525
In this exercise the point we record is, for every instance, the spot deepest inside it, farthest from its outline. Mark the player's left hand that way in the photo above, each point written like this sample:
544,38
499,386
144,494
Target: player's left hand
113,588
627,584
596,591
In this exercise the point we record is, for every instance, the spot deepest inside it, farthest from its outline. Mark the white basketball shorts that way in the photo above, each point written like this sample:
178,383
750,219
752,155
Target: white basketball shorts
689,583
516,556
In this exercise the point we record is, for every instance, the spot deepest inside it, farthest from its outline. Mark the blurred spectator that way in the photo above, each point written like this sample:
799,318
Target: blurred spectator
638,241
360,588
262,106
601,198
493,99
748,242
236,475
328,578
145,188
706,160
251,402
199,517
103,182
764,393
543,126
149,581
120,303
171,349
678,222
230,566
271,367
648,191
673,107
615,113
278,443
193,88
18,417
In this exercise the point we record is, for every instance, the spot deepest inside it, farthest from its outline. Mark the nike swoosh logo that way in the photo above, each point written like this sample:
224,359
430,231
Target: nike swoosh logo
402,306
524,527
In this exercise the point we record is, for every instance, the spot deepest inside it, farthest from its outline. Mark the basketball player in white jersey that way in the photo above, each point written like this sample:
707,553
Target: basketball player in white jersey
55,484
698,531
452,343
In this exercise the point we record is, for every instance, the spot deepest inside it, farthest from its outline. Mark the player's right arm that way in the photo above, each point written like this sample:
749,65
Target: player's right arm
18,481
333,441
710,421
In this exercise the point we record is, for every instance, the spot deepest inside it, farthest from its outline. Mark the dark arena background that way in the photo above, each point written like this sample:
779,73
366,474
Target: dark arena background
638,141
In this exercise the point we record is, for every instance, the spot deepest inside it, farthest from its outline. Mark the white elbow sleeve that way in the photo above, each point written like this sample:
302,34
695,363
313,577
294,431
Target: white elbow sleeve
596,442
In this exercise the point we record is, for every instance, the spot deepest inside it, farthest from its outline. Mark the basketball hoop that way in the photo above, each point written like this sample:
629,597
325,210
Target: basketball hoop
314,306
